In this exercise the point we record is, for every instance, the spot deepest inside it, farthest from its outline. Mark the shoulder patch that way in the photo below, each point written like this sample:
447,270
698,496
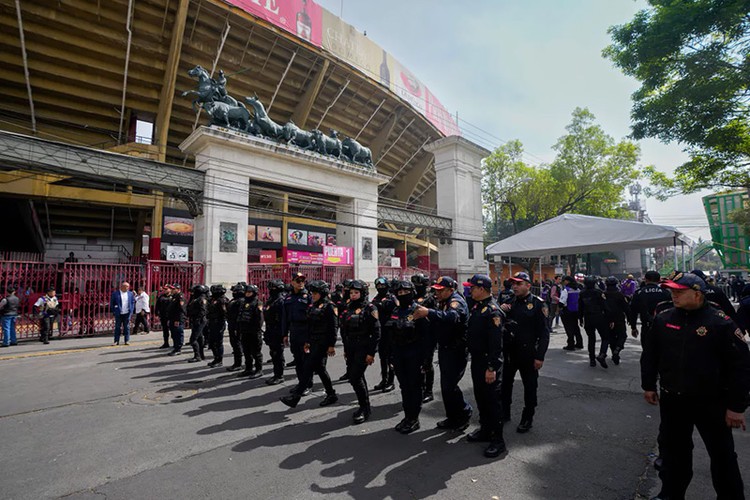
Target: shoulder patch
260,307
721,314
497,321
484,310
203,301
738,333
335,310
375,313
455,304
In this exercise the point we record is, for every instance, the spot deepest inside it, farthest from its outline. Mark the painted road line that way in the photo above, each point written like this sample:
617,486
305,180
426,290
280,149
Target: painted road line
77,350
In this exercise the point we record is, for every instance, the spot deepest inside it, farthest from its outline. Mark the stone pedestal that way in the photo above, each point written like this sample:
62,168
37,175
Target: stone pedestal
233,161
458,167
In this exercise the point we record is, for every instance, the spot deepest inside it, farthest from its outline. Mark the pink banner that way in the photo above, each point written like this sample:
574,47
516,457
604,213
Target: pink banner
338,256
303,18
298,257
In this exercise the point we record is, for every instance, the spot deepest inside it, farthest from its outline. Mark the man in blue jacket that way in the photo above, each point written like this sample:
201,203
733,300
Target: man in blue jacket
122,305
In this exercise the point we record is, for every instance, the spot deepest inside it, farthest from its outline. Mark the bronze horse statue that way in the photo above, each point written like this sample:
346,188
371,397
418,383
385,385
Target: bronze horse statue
210,90
263,124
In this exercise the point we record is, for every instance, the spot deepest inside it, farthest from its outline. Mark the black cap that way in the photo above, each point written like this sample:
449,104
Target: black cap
480,280
522,276
445,282
685,281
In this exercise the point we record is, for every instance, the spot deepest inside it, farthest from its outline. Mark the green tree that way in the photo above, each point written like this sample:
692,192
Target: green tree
692,60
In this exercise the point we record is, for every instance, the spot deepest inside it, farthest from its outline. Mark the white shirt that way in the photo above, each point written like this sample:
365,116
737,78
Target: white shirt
564,297
124,303
141,303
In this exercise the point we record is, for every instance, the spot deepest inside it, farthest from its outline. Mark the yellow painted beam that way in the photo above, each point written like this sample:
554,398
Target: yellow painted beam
409,239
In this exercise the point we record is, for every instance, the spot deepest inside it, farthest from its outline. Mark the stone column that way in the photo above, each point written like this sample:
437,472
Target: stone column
357,220
458,167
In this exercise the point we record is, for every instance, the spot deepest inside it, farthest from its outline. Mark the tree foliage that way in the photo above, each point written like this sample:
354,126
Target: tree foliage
693,62
588,176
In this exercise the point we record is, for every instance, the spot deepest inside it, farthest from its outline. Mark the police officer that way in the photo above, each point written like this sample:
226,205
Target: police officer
569,299
385,303
235,338
272,311
485,342
48,308
249,324
644,303
161,309
361,326
197,311
525,344
337,297
342,305
425,299
449,320
217,317
176,317
294,324
618,309
320,342
593,316
407,343
702,364
506,294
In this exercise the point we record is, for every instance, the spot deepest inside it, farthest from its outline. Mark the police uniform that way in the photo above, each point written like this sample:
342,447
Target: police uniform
294,326
701,362
645,300
592,310
618,310
526,340
449,321
235,338
49,309
249,324
162,307
407,343
176,317
385,302
272,312
361,325
197,310
217,317
425,299
569,299
485,344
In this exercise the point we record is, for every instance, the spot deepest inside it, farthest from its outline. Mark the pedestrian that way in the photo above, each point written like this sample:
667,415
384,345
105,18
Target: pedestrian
449,318
485,343
48,308
618,309
249,325
701,363
645,302
272,312
569,298
318,345
233,312
594,317
8,316
407,343
161,309
122,306
197,312
217,323
524,346
142,310
628,287
361,324
385,302
554,302
294,327
176,317
424,298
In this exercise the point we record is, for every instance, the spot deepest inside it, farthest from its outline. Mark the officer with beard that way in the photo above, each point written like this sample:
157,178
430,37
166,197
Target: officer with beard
217,317
407,343
197,309
322,321
361,325
425,299
385,303
235,339
272,311
294,327
249,324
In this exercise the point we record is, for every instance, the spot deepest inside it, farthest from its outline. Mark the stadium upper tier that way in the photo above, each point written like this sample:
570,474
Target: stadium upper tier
68,66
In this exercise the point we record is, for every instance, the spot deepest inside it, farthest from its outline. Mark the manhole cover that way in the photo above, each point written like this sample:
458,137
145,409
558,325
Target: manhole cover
161,398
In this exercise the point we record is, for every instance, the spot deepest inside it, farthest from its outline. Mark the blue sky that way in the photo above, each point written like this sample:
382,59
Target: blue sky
516,70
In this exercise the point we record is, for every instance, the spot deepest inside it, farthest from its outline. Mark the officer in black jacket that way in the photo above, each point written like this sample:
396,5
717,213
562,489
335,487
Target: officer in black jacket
176,316
360,323
342,306
593,316
426,299
294,324
407,344
272,311
197,311
644,303
249,324
217,317
448,319
161,310
702,364
717,296
485,342
322,321
235,338
618,310
525,345
385,302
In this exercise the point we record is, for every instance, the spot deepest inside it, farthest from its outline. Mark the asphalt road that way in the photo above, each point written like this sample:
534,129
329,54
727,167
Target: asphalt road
83,419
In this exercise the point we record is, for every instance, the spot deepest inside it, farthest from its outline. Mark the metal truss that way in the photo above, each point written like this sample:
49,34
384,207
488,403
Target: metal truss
441,226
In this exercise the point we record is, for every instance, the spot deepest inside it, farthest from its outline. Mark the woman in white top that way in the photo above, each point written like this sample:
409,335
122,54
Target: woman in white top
142,310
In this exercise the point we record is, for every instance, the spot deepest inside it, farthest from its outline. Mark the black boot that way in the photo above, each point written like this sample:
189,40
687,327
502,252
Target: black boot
361,415
329,399
496,447
410,426
343,377
380,386
216,362
389,386
237,363
602,359
527,419
479,435
427,397
275,381
257,373
291,400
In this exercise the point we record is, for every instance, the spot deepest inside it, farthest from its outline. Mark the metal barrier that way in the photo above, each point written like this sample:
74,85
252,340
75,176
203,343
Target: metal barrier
31,280
162,272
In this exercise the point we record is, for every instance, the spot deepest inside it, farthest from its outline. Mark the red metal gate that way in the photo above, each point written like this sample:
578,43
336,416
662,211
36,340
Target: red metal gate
31,280
162,272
